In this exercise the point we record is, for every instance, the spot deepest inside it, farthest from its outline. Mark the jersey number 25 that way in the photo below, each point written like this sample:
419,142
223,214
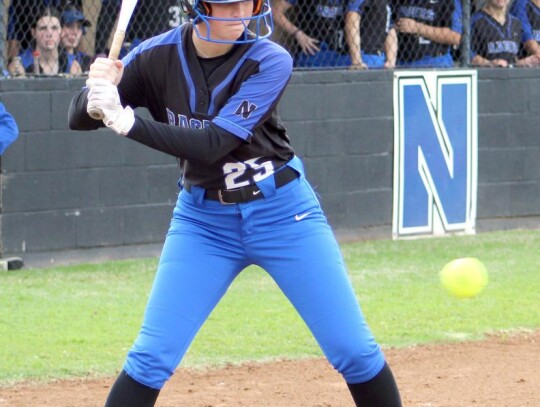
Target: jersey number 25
235,173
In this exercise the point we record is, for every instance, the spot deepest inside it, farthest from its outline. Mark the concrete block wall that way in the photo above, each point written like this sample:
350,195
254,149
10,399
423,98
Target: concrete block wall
341,124
66,190
509,146
69,190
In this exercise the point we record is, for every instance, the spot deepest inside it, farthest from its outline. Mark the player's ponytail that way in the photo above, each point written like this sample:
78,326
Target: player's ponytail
193,8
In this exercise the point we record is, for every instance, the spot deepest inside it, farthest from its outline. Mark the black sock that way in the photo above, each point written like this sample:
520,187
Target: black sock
381,391
127,392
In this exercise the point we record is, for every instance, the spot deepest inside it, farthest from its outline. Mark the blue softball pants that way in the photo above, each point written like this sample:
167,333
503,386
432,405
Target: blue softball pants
208,244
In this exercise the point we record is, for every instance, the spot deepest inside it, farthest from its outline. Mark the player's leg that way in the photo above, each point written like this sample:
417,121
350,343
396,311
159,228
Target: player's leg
127,392
317,285
381,391
199,261
302,255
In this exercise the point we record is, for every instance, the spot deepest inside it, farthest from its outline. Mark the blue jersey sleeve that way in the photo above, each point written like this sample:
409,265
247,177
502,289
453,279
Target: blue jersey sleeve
27,58
8,129
519,10
259,94
70,60
356,5
457,22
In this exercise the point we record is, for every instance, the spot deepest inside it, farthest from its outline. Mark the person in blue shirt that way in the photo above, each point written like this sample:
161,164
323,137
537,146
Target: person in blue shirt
426,30
496,37
9,132
212,87
528,12
74,25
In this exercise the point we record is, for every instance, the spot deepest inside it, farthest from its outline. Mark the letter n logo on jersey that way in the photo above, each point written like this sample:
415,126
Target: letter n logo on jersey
245,109
435,153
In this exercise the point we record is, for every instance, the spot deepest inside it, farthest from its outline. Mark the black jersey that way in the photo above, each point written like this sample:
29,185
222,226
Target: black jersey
491,40
375,24
240,96
436,13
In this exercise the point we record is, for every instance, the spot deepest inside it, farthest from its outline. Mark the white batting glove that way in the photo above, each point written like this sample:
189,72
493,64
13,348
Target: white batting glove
104,96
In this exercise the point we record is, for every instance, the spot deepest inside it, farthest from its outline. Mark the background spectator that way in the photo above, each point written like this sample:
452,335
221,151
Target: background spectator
528,12
496,37
20,21
74,26
371,41
318,28
426,31
45,57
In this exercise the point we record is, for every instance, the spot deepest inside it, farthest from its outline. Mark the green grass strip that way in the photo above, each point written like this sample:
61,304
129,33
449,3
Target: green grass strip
81,320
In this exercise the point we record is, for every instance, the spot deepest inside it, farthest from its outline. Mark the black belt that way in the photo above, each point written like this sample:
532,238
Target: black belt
248,193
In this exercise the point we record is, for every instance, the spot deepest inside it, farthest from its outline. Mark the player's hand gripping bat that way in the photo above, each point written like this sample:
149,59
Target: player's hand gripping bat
118,40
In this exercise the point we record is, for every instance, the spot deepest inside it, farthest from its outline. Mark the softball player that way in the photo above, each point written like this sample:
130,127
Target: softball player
368,23
426,30
212,87
317,28
496,37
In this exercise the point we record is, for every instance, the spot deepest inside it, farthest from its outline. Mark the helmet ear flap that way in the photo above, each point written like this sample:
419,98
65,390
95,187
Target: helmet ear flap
257,7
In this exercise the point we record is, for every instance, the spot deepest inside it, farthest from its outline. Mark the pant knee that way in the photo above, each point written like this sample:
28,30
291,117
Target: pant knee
359,365
147,369
153,360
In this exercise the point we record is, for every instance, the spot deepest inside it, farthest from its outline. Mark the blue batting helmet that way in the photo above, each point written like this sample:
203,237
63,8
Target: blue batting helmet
258,26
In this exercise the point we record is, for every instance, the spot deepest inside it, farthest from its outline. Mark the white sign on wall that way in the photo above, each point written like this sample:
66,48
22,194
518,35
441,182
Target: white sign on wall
435,153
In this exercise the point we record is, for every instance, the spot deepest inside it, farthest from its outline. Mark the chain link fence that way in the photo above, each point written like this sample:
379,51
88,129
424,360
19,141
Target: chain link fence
61,37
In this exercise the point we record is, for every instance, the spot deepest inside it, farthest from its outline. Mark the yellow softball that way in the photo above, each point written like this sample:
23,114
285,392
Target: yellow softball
464,278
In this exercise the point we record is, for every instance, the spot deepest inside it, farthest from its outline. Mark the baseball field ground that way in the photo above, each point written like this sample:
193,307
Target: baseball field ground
64,331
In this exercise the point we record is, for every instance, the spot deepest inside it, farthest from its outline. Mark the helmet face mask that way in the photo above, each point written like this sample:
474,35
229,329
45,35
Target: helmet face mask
258,26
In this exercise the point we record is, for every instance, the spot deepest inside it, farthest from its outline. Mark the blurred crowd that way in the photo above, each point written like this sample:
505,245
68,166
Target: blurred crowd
61,37
368,34
51,37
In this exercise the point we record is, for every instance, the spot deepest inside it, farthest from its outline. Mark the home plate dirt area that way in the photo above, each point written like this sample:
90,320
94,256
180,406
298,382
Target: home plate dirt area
502,371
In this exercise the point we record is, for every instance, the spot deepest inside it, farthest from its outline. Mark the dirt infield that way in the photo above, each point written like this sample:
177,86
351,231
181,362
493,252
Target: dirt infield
503,371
